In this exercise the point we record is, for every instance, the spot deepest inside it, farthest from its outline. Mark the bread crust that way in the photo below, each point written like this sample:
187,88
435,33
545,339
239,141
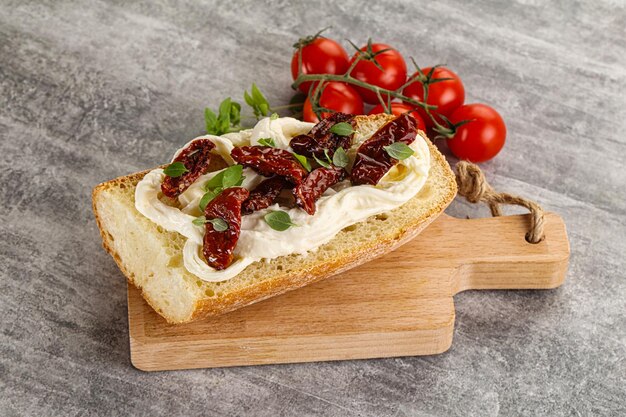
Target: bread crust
212,306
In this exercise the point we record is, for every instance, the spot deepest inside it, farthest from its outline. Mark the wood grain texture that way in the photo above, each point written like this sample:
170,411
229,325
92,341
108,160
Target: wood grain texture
397,305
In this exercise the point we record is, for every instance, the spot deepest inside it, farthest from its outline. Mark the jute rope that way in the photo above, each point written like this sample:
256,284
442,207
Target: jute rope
475,188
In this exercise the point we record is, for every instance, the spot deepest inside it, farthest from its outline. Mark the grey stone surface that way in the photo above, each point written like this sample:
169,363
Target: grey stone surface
90,90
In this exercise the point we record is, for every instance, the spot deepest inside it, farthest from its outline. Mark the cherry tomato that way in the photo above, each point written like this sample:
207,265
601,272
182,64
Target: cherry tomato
397,109
446,95
392,76
336,96
320,56
480,139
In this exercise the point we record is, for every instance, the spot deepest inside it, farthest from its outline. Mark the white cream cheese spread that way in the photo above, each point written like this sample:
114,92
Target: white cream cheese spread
341,206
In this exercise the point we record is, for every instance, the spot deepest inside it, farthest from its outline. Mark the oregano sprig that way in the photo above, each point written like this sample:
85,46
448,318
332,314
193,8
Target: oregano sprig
175,169
342,129
219,225
207,197
230,177
327,163
399,150
258,102
279,220
303,161
227,119
340,158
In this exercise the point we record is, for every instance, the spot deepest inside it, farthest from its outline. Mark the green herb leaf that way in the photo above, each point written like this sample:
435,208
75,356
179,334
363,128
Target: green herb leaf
223,119
328,159
399,150
175,169
267,142
274,116
210,120
302,159
215,182
248,99
227,119
342,129
257,95
219,225
199,221
207,197
279,220
340,158
257,101
322,163
235,113
232,176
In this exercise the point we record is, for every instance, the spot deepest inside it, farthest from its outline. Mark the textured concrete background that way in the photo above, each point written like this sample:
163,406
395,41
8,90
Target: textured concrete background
90,90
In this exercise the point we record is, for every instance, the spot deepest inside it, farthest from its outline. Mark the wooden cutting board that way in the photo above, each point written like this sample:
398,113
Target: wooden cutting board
398,305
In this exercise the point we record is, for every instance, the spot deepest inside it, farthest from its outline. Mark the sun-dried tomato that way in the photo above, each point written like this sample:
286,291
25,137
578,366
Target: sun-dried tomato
314,185
218,246
320,137
196,158
263,194
270,161
372,161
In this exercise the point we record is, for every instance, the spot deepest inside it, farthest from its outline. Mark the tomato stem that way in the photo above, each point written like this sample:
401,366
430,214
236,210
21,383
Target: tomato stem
302,42
350,80
449,131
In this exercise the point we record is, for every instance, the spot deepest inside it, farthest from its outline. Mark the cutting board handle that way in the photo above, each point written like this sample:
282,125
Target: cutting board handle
492,253
505,252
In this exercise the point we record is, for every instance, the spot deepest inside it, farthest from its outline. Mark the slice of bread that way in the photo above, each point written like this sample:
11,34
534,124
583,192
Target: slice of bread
152,260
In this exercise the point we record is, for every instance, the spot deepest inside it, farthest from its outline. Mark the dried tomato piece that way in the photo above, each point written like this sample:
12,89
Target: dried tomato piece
320,137
218,246
314,185
196,158
270,161
264,194
372,161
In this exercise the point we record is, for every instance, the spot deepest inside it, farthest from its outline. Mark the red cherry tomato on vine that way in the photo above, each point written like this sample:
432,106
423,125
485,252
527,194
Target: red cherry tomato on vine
446,95
399,108
480,139
319,56
392,76
336,96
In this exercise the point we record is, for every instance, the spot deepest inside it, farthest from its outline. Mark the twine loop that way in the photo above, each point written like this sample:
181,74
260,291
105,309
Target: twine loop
475,188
